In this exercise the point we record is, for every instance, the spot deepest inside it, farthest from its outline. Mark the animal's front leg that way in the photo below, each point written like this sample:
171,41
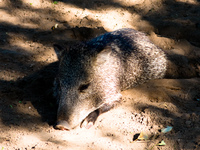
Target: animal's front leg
92,117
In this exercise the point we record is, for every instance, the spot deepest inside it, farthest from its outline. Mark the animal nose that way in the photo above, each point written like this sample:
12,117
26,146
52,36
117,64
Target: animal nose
62,125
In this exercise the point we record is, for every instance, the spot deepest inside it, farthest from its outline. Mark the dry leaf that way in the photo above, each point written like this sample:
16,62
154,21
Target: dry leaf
143,136
162,143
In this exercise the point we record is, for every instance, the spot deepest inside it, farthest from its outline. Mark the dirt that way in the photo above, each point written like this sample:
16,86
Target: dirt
28,65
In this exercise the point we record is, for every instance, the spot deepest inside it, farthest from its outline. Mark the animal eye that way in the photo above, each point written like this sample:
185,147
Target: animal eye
83,87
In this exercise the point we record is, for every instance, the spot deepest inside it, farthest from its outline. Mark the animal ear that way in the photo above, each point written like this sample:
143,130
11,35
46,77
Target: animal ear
104,55
59,49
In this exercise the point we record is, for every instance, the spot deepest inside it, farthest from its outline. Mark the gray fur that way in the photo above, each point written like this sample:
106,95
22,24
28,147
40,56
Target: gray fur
94,73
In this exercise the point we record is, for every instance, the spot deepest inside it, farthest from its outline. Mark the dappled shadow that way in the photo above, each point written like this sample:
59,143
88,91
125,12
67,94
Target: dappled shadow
20,99
169,18
168,102
39,86
26,83
180,66
177,20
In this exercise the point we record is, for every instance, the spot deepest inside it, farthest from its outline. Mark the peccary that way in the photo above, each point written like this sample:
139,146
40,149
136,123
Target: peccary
92,74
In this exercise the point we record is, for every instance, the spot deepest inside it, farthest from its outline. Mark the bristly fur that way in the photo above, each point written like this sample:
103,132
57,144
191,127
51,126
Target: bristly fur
103,67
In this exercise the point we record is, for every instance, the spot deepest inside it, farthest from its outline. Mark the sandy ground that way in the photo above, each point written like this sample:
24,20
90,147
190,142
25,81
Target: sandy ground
29,28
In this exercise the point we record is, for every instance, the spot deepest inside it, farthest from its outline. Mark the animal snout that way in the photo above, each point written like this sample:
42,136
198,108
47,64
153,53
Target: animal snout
62,125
